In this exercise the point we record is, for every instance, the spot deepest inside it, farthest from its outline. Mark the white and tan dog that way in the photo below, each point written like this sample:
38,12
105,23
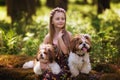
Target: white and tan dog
44,58
78,60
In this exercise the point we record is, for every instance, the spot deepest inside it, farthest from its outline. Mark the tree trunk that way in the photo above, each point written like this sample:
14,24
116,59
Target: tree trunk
38,3
103,5
57,3
18,9
50,3
62,3
21,12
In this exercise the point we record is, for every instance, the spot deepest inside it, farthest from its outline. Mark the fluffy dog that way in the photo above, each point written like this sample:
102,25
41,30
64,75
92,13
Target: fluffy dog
46,56
78,60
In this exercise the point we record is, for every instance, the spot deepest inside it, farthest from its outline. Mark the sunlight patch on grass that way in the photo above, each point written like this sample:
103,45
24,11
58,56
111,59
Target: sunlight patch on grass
72,1
83,9
43,2
44,18
117,11
42,14
3,14
42,11
116,8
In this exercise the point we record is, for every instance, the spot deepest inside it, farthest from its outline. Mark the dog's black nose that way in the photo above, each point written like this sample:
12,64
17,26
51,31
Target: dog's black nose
84,45
41,55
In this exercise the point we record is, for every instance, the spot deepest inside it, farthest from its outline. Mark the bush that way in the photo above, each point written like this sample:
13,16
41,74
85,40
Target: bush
106,41
10,42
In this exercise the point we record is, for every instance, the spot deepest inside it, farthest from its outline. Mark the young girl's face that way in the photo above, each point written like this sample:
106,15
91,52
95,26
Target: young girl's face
58,20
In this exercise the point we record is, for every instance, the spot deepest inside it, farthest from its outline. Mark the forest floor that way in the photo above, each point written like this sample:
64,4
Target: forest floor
11,69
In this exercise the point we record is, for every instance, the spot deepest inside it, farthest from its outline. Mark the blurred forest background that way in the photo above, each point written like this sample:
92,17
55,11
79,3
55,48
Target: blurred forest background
24,24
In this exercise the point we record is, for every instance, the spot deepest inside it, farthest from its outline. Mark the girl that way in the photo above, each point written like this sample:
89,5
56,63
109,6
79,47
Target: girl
60,38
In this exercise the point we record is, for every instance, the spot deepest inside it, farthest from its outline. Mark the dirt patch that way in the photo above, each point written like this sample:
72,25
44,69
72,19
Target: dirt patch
14,61
11,69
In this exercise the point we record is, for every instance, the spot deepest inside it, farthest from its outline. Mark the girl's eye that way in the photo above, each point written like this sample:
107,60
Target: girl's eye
57,18
60,18
63,18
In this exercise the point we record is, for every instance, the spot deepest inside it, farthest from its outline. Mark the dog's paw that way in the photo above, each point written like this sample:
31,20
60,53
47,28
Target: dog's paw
28,64
37,69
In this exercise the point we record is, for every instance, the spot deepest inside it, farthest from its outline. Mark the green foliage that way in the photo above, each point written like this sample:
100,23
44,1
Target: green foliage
34,37
104,31
24,38
10,42
30,45
106,41
26,41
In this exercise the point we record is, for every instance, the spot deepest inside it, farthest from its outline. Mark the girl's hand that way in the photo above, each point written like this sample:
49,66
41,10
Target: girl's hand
61,33
44,66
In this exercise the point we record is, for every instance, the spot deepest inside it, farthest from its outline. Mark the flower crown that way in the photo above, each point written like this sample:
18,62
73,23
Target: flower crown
57,9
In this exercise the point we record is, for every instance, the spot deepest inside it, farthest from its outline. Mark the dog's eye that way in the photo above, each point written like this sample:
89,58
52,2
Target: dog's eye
80,42
45,53
87,42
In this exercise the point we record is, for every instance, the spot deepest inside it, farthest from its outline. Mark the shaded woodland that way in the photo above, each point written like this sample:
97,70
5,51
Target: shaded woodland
24,24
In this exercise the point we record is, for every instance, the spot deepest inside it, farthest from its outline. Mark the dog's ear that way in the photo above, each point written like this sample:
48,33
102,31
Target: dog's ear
51,55
88,37
37,57
73,44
